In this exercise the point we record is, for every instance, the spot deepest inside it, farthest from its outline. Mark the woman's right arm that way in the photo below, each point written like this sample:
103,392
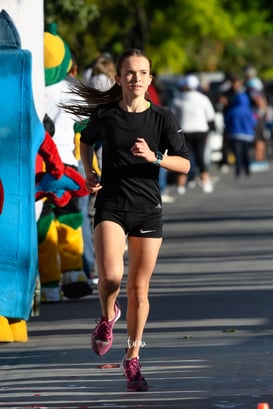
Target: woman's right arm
91,182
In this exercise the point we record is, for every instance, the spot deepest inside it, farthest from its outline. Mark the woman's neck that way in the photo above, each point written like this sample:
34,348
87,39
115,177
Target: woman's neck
134,106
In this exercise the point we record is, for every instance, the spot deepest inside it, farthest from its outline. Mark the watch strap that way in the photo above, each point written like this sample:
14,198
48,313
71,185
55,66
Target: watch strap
159,157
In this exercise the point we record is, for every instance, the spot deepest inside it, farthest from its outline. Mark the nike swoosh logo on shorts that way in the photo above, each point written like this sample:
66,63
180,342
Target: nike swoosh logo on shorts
146,231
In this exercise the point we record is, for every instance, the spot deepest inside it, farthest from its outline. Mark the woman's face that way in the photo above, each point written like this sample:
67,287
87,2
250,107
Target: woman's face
135,76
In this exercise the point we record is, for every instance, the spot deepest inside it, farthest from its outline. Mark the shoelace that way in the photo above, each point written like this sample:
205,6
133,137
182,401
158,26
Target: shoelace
103,330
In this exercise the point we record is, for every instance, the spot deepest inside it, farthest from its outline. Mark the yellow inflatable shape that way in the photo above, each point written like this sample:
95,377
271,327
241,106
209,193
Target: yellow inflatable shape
13,330
70,247
19,330
77,153
5,330
95,165
53,42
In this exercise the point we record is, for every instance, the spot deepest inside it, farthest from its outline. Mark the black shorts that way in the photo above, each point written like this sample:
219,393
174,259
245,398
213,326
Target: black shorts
133,223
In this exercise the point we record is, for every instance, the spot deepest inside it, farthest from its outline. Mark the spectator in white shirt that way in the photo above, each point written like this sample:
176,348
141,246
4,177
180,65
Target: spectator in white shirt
196,116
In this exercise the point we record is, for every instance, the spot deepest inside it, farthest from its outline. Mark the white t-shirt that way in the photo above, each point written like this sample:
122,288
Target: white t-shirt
63,121
193,111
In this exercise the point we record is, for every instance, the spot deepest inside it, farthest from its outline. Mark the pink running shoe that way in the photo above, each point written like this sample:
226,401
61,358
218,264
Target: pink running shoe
135,381
102,336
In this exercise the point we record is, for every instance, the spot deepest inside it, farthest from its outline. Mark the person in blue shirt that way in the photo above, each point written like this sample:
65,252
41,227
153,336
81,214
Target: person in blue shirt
240,125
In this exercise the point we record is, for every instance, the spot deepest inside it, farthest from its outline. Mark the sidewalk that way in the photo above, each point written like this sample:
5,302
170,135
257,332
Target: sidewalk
209,339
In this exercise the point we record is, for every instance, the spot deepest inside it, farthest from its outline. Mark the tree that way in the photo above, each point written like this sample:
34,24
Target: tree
179,35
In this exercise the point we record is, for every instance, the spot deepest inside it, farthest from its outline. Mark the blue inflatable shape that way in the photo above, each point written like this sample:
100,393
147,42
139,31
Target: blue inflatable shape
21,134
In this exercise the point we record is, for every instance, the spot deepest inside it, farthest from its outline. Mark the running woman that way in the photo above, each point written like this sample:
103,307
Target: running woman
135,136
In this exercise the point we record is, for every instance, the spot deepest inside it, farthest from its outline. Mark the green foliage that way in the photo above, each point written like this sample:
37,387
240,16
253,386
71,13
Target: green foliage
179,35
67,11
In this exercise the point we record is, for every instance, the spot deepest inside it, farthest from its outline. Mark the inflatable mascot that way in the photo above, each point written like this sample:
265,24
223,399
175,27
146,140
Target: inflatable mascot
23,139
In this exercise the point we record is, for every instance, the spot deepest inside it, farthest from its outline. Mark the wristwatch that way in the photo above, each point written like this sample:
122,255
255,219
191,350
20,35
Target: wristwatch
159,157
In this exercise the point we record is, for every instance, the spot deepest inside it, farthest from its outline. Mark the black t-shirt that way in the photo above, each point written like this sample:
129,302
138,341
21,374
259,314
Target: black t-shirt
130,183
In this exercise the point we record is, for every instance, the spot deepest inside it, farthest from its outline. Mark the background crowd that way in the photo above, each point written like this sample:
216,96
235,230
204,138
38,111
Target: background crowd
240,100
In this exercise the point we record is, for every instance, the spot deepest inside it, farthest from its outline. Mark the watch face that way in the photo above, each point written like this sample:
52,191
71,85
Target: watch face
159,155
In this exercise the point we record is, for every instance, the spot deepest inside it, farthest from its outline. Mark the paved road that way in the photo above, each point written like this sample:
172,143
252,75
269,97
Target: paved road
209,340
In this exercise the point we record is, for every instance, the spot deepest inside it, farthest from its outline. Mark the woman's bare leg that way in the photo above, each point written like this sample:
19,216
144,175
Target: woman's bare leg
143,253
109,240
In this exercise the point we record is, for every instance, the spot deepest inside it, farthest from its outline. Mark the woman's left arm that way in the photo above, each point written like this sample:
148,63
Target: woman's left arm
172,163
175,164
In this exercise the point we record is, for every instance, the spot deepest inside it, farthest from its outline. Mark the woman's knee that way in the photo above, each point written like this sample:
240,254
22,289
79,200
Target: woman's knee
110,282
137,295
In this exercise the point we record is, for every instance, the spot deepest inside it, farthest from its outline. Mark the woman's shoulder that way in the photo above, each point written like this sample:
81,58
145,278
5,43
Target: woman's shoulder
161,110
